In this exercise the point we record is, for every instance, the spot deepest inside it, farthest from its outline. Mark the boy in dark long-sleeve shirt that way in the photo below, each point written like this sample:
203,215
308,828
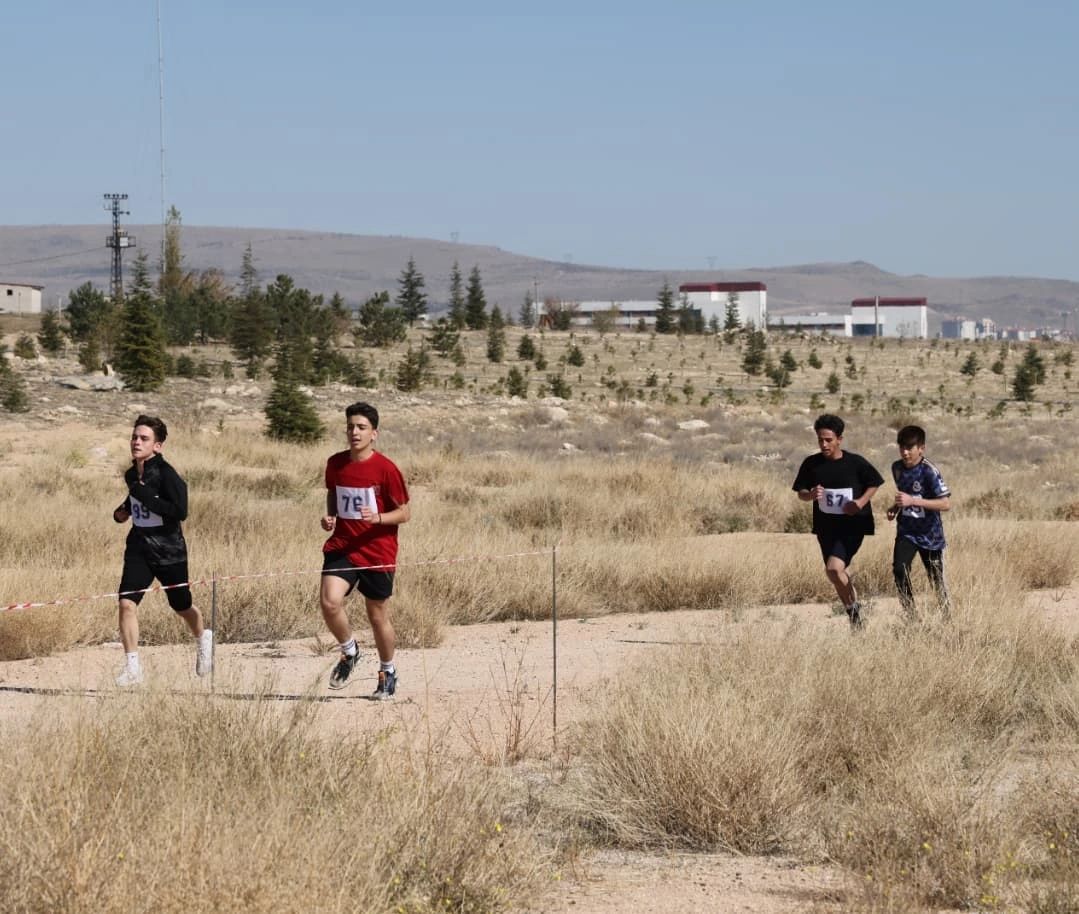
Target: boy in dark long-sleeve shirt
156,504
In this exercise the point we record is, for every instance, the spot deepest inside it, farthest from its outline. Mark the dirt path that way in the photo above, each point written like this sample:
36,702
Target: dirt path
468,694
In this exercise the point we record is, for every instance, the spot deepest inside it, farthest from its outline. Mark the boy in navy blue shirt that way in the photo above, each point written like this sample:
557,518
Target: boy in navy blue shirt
921,497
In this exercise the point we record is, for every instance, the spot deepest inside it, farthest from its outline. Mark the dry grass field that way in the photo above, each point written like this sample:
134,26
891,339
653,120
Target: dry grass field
927,765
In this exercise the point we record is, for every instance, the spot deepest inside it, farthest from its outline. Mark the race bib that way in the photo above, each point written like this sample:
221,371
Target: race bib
350,500
832,501
141,516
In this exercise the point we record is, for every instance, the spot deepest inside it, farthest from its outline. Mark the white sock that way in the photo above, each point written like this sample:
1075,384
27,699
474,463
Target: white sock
349,648
386,666
133,661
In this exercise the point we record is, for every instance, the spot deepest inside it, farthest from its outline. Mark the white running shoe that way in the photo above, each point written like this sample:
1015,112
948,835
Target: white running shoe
129,677
204,653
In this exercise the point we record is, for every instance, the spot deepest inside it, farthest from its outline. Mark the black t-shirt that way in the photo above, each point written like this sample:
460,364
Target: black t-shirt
844,480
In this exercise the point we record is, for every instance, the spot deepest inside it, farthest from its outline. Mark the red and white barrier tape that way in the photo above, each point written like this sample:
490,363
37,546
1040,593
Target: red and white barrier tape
65,601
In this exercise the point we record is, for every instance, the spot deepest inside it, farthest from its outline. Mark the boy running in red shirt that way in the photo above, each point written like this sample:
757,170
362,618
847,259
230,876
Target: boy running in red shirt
366,501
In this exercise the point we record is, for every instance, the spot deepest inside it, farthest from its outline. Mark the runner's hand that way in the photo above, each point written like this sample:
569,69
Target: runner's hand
328,522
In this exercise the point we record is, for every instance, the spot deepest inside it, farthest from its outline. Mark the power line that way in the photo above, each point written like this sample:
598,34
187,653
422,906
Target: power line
16,263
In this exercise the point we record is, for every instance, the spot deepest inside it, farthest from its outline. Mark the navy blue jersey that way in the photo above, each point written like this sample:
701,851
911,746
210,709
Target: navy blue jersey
923,528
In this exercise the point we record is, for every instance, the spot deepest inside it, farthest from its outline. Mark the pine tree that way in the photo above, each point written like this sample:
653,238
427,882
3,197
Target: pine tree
756,350
251,332
528,311
141,349
413,369
444,337
249,277
91,314
380,325
297,314
1034,363
13,396
526,349
813,359
289,412
475,302
50,336
210,306
175,287
574,356
665,309
496,336
787,362
731,319
971,365
411,298
516,383
687,316
1023,383
457,298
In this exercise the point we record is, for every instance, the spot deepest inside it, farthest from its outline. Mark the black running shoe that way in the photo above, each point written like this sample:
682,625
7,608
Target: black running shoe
854,613
341,673
387,685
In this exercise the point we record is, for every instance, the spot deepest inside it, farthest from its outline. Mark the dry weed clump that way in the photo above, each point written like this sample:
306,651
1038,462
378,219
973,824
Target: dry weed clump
211,806
888,752
924,826
675,758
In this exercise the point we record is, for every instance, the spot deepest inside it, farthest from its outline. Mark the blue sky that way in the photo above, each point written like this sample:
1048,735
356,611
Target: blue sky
938,138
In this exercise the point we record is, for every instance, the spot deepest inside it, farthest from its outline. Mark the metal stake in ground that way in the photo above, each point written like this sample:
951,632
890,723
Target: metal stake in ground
554,646
213,628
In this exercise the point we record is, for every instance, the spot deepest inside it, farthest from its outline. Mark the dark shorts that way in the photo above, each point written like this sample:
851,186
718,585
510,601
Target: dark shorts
843,546
139,574
375,585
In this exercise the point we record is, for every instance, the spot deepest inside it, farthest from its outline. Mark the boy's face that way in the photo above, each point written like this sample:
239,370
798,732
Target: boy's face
911,454
829,443
361,435
143,443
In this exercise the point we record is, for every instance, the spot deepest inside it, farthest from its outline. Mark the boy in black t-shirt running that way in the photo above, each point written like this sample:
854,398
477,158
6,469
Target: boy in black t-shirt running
840,484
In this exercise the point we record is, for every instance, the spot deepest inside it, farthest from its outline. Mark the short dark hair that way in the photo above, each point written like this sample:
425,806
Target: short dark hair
363,409
830,422
155,425
911,436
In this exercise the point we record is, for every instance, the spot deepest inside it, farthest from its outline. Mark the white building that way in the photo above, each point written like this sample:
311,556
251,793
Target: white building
835,324
707,299
959,328
626,313
710,298
897,317
20,298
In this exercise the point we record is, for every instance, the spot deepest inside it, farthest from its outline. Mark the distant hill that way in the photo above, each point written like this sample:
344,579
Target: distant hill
63,257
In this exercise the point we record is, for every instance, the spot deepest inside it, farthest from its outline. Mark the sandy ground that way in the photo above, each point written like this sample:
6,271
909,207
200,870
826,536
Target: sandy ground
465,694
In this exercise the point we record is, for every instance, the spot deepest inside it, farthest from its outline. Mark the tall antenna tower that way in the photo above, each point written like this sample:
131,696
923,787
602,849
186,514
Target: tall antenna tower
161,121
118,241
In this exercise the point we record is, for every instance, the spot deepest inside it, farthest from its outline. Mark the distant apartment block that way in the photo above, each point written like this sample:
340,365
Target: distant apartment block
20,298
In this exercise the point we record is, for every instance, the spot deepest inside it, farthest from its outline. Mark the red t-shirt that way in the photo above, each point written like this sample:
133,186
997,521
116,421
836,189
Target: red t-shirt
377,483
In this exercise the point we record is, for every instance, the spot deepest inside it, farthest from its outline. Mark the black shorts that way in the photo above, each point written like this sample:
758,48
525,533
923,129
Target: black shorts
375,585
139,574
841,545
